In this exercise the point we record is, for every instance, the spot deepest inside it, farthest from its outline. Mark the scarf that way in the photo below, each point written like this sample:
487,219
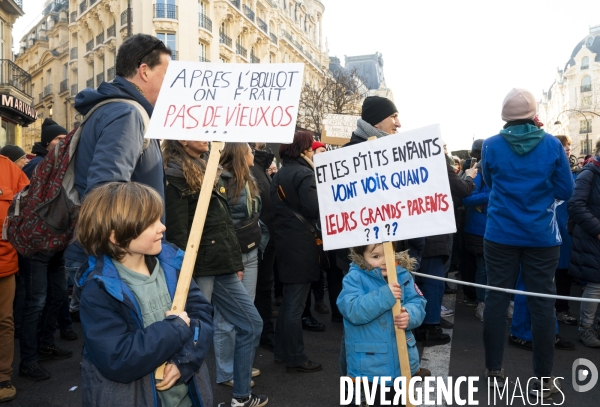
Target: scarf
308,160
364,130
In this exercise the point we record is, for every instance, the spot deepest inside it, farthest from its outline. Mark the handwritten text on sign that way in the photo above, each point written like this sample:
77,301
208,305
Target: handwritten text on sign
339,125
389,189
228,102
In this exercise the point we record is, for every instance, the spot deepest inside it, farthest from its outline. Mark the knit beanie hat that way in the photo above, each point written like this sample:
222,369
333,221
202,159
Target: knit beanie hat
519,104
15,153
50,130
477,145
317,144
375,109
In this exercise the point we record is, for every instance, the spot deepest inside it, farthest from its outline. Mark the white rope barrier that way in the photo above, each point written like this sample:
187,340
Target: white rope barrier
507,290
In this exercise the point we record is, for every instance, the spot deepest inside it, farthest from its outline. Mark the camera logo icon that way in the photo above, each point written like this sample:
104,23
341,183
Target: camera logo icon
585,375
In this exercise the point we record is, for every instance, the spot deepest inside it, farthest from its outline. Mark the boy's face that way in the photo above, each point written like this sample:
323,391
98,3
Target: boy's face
149,242
375,257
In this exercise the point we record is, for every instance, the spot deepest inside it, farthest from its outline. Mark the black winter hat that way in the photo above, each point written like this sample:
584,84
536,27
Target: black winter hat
50,130
15,153
477,145
375,109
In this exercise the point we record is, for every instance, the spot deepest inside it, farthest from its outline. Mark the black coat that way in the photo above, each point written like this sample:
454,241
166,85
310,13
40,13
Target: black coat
584,210
219,251
262,161
296,250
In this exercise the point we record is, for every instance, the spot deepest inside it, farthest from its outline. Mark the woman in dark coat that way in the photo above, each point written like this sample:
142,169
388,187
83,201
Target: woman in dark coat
294,198
219,260
584,210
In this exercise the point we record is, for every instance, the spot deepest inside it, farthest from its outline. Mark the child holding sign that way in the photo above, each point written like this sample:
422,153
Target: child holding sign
127,292
366,303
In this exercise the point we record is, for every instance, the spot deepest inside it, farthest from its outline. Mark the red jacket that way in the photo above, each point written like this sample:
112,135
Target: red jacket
12,180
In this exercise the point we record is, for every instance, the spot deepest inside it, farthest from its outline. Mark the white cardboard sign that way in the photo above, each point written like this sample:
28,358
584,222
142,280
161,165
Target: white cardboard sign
389,189
228,102
339,125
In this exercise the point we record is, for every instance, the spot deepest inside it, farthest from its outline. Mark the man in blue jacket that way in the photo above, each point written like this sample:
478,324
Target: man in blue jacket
528,172
112,140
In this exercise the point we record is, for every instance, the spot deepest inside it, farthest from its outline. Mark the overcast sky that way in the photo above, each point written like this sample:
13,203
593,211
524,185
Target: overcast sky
449,62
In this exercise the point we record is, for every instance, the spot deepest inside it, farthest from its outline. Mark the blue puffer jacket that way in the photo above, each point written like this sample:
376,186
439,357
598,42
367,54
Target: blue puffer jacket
120,355
527,170
477,207
366,303
562,217
584,209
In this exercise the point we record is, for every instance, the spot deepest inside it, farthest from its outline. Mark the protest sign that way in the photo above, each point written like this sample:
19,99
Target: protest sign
228,102
337,128
389,189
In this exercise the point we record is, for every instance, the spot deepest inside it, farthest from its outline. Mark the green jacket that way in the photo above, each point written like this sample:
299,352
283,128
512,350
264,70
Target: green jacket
219,251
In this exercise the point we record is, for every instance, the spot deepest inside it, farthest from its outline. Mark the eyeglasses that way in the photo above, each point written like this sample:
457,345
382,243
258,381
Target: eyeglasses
145,54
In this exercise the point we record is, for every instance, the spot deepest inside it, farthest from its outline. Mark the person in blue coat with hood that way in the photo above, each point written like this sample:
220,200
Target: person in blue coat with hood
128,288
528,173
366,302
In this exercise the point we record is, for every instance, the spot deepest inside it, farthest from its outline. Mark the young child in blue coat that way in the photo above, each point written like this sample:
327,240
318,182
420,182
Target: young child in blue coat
128,288
366,303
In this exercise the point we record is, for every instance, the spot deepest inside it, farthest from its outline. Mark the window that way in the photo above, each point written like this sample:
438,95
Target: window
202,52
7,132
170,40
2,41
585,126
582,148
165,9
585,63
65,71
223,29
202,8
586,84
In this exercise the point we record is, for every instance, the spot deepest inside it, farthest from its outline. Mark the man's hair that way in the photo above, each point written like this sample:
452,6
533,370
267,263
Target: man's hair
138,49
564,140
121,209
303,140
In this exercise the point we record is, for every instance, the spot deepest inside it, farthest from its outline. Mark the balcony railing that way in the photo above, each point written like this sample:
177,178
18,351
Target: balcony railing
584,67
286,35
64,85
73,53
586,88
248,12
111,31
19,3
92,2
224,39
203,59
262,25
89,45
124,17
48,90
165,11
100,39
110,73
41,97
13,75
73,17
254,59
174,56
241,50
74,90
235,3
273,38
272,3
584,130
100,78
82,6
204,22
89,83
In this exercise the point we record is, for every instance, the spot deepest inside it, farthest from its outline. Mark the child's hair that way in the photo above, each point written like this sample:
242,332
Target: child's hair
360,250
123,208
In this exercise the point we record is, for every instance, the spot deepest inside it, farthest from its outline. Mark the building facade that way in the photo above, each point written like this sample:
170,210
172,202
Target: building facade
571,106
82,38
16,110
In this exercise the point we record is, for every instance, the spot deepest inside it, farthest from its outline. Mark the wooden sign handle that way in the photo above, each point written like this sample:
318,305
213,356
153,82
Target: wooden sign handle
193,244
392,277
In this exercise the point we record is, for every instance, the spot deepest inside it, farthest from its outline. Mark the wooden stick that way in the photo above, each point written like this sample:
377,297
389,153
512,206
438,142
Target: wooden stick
392,277
193,244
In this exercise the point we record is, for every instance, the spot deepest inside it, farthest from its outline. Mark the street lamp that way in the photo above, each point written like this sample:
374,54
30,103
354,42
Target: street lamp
587,125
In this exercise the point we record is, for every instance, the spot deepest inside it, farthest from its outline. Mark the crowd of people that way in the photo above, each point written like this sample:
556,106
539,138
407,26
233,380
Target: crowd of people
518,225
